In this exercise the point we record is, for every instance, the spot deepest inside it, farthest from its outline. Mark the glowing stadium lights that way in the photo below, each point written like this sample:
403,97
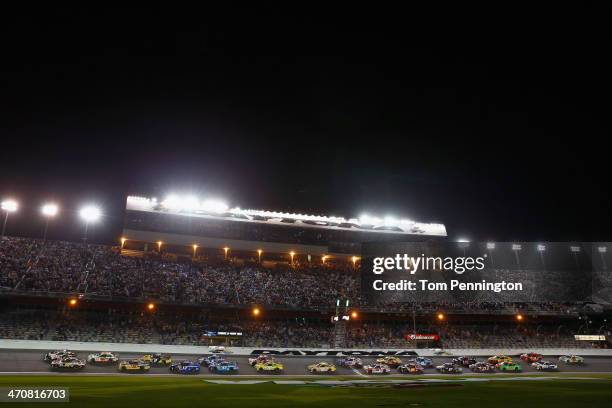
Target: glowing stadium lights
519,317
90,213
159,245
214,206
256,312
49,210
176,202
574,249
602,249
440,316
72,302
324,258
463,240
490,245
541,247
195,249
354,314
517,247
123,240
151,307
259,252
354,259
225,251
8,206
292,254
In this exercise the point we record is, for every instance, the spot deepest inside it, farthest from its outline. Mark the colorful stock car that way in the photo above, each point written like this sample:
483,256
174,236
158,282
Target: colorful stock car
133,365
322,367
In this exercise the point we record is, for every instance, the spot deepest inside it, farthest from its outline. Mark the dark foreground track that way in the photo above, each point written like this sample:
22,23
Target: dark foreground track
29,361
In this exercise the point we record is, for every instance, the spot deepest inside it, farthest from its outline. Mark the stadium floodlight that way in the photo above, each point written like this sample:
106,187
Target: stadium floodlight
256,311
575,249
440,316
354,314
541,247
226,250
463,240
195,249
354,259
123,241
90,213
72,302
517,247
602,249
49,210
259,252
8,206
324,258
172,202
151,306
519,317
159,245
490,245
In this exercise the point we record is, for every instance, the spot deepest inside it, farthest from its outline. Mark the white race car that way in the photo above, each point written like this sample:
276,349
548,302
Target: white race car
54,355
68,363
216,349
377,369
103,357
544,365
573,359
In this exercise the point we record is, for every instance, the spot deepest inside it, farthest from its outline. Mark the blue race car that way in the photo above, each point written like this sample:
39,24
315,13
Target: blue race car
224,367
424,362
185,367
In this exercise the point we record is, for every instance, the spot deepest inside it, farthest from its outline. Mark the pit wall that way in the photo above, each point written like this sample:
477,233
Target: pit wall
180,349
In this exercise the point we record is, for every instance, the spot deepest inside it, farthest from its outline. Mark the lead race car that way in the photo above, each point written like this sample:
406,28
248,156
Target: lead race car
321,367
53,355
104,357
67,363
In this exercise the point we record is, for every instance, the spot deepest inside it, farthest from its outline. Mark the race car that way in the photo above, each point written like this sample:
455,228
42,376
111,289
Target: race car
210,360
262,358
464,361
377,369
185,367
133,365
216,349
157,359
544,365
572,359
482,367
391,361
449,368
499,359
322,367
509,366
531,357
269,366
52,355
410,368
424,362
440,352
67,363
350,362
104,357
224,367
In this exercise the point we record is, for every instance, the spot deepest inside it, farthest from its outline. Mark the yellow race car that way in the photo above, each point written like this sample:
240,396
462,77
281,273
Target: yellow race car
322,367
391,361
499,359
269,366
134,366
157,359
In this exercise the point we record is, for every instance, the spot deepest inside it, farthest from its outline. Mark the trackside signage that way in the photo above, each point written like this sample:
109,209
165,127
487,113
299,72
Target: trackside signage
334,352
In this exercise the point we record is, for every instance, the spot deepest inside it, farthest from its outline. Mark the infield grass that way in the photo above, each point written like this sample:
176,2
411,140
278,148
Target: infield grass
177,392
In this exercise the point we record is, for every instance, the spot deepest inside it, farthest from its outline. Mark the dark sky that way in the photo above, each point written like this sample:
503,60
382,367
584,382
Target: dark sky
492,121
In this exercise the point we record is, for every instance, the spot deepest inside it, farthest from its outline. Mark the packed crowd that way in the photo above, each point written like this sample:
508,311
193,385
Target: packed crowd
180,329
101,271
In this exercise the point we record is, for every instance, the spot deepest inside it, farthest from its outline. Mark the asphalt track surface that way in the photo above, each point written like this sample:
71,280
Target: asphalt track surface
31,362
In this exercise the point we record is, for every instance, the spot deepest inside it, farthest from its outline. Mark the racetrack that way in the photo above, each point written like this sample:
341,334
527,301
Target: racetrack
31,362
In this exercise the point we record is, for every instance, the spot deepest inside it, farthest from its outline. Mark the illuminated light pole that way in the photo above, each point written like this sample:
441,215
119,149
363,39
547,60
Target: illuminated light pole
354,314
151,307
354,259
256,311
225,251
123,240
259,252
519,317
89,214
49,211
323,259
159,245
195,249
72,302
292,254
440,316
8,206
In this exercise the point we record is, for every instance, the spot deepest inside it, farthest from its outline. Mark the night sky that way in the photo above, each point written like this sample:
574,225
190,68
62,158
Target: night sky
491,121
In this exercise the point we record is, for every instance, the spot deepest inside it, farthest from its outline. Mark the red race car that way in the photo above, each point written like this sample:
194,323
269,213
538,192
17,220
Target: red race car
531,357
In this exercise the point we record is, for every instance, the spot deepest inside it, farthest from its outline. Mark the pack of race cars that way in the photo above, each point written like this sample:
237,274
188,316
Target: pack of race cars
267,364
